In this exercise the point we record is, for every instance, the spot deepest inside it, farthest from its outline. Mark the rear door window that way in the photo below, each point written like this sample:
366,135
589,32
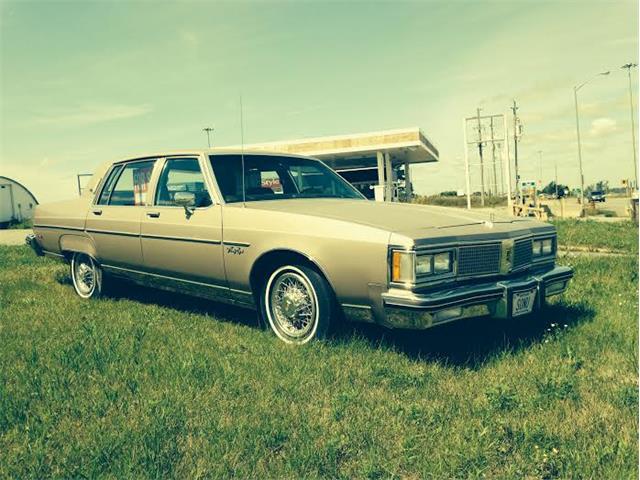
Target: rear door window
132,184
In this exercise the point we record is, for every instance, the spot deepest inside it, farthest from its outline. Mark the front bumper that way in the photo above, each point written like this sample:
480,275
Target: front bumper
405,309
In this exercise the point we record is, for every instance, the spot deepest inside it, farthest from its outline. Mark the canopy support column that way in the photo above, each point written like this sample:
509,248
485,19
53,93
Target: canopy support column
380,189
388,196
408,188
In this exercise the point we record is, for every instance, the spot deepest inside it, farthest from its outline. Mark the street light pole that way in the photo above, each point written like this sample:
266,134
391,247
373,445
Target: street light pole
629,66
575,99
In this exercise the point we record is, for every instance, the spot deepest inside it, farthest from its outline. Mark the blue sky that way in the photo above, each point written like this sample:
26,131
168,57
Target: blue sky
85,82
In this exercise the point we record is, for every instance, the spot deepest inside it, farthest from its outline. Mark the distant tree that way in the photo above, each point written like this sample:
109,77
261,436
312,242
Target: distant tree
550,189
599,186
449,193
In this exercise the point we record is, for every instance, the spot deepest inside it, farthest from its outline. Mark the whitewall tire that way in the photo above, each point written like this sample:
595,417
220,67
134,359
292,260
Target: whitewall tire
296,302
86,276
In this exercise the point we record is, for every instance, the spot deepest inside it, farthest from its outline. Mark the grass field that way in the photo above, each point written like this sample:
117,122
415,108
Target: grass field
592,234
147,384
461,202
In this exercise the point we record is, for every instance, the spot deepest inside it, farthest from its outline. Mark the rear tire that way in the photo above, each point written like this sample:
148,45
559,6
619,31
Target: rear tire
297,304
86,276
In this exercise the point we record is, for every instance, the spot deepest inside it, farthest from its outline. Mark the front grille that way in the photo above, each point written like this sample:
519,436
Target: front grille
522,253
479,259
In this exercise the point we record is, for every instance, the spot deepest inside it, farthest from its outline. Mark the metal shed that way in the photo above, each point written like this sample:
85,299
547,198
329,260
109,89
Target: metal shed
17,203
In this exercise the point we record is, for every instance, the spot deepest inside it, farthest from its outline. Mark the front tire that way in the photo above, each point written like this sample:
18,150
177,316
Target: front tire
86,276
296,302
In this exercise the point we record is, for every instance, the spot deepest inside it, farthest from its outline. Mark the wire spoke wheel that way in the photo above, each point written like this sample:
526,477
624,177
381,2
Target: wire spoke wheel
292,305
86,275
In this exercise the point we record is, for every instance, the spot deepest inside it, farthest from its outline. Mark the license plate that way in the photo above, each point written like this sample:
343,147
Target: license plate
523,302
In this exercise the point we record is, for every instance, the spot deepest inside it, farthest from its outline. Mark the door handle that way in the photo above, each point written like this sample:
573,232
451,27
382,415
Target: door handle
153,214
97,212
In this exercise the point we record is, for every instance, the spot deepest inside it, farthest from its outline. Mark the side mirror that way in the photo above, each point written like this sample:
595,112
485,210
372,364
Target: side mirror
186,200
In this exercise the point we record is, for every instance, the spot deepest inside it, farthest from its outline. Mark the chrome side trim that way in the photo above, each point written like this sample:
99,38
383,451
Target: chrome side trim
180,239
60,227
229,243
219,293
112,232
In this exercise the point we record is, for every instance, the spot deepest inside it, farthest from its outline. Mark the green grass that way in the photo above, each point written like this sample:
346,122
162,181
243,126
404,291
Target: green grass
450,201
618,236
144,384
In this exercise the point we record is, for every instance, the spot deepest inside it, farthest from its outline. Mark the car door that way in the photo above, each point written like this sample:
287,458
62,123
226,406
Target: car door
113,221
183,242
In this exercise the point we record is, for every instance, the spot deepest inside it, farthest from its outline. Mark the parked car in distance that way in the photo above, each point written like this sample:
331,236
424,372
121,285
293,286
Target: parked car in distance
287,236
597,196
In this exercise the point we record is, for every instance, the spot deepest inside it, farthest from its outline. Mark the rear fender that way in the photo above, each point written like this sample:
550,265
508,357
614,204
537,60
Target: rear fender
77,243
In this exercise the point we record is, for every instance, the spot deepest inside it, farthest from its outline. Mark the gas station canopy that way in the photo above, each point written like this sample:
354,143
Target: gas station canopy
382,154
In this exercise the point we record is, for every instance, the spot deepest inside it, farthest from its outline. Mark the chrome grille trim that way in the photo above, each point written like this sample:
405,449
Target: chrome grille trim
479,259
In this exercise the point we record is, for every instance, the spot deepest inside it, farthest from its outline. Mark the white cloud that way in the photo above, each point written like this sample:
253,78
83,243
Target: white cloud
91,114
603,126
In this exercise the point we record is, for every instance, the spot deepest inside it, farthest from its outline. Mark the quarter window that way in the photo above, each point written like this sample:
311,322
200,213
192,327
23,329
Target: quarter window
182,175
132,185
108,185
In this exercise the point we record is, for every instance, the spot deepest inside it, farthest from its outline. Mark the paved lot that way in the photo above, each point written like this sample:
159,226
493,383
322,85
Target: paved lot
13,237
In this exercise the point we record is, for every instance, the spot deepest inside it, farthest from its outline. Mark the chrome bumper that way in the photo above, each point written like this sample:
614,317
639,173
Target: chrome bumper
405,309
33,243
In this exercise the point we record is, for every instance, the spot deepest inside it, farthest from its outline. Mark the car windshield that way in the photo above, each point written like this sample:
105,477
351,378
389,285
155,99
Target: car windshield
270,177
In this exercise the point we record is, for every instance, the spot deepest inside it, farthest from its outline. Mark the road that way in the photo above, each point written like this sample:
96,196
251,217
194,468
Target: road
13,237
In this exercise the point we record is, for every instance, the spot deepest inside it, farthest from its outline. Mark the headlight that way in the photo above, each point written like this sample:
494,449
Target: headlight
407,266
537,248
543,247
442,262
403,267
434,264
423,265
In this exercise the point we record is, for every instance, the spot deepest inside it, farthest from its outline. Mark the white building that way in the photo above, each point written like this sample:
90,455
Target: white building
17,203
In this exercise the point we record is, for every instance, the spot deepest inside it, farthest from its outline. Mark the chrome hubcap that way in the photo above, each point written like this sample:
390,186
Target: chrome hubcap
84,275
292,304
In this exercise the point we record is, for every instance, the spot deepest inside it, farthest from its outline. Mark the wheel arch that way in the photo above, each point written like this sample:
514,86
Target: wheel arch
70,244
271,259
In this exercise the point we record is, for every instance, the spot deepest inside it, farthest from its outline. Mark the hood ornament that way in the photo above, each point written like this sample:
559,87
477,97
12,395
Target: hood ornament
489,223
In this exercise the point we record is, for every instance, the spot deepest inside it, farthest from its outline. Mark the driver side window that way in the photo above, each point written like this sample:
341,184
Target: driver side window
182,175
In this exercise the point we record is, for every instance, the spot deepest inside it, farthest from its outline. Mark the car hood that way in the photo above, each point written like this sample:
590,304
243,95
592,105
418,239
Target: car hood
411,220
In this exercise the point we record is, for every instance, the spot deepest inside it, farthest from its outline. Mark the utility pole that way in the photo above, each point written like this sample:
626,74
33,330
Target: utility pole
514,109
493,158
575,99
556,169
208,130
629,66
481,159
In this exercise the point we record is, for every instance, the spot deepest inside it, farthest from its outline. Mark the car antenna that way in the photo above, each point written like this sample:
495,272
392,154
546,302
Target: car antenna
244,192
